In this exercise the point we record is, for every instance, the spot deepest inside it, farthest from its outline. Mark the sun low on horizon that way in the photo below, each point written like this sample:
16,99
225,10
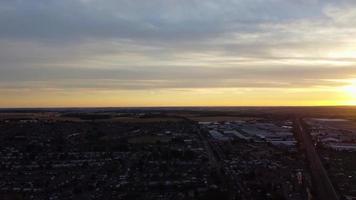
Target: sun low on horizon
91,53
350,90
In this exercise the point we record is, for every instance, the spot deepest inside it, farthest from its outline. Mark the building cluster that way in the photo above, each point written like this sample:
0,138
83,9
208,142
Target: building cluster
92,158
341,169
335,140
276,133
104,160
336,134
259,158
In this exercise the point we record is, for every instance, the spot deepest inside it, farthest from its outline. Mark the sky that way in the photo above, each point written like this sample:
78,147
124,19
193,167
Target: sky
117,53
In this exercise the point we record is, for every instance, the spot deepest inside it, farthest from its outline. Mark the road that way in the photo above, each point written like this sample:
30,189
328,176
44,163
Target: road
216,158
321,181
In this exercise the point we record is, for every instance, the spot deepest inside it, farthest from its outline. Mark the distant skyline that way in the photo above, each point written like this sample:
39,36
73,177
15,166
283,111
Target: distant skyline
118,53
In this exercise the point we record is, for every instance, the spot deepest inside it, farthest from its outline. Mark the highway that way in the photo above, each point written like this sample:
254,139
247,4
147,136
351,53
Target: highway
321,181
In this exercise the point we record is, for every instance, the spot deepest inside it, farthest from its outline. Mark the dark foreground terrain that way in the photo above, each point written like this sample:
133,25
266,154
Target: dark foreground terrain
175,153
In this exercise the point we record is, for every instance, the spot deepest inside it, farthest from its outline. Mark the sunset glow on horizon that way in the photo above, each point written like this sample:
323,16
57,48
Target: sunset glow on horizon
91,53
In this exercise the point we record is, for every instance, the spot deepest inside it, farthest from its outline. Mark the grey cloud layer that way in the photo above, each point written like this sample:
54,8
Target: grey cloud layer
160,77
126,44
157,19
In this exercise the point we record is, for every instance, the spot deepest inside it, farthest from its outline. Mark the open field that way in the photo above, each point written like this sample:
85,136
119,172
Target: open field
220,118
178,113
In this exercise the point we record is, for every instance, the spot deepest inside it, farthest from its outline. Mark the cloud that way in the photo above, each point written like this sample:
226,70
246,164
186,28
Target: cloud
160,44
176,78
156,19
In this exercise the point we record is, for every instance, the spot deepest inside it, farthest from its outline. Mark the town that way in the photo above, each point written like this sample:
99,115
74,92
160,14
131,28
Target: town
165,155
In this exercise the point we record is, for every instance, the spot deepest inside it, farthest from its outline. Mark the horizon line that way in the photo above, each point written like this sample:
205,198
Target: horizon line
147,107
